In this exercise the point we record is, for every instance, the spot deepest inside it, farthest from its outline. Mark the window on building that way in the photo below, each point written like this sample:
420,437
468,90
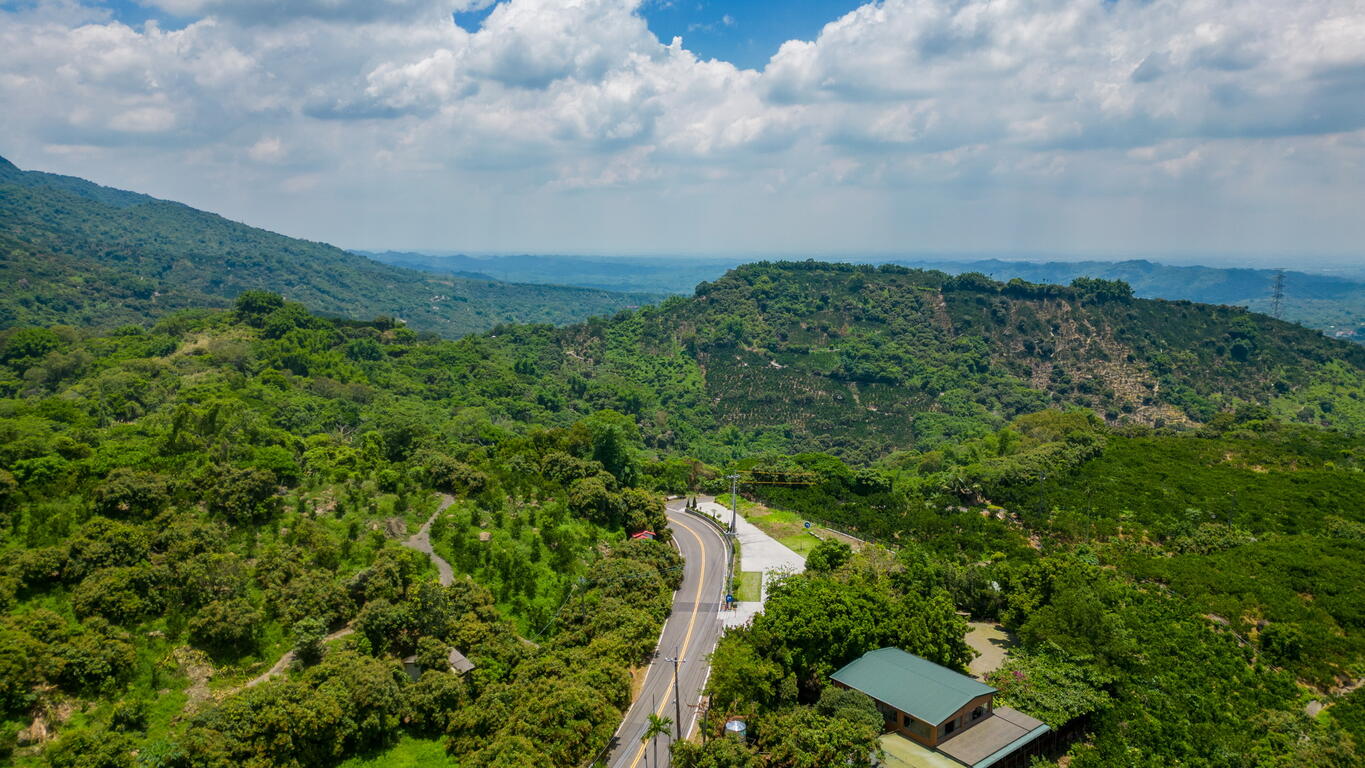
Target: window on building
917,727
978,713
950,726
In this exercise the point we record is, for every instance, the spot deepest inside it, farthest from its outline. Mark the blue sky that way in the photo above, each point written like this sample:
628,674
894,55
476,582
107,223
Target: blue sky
1087,128
744,32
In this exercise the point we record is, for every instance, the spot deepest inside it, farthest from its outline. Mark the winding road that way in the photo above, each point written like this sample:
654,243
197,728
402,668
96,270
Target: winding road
690,633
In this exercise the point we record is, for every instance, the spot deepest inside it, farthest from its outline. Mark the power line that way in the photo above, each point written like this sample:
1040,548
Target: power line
1277,293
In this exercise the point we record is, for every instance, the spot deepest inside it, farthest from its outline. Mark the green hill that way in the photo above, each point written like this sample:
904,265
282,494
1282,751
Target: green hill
864,360
77,253
180,505
1334,305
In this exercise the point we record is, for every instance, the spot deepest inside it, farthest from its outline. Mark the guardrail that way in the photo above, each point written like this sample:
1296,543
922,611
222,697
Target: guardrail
731,550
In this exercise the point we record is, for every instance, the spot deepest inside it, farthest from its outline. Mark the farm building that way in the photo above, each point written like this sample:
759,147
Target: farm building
933,713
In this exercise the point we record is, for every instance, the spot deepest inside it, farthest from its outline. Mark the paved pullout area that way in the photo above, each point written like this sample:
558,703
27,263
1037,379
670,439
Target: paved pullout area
758,553
992,642
690,633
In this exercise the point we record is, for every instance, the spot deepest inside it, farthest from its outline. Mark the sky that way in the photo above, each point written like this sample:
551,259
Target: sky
1216,130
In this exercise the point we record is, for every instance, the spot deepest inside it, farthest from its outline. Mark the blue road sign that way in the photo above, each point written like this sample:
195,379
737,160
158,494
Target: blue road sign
807,523
729,598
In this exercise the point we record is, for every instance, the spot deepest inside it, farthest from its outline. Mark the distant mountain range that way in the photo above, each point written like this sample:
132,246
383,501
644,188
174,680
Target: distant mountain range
1334,305
77,253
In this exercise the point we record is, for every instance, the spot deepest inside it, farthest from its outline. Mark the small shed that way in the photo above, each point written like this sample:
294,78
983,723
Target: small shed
644,536
459,664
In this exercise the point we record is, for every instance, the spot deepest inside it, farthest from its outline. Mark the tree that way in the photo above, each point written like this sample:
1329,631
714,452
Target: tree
590,499
611,439
130,493
829,555
254,306
716,753
226,626
802,738
851,705
309,633
243,495
657,726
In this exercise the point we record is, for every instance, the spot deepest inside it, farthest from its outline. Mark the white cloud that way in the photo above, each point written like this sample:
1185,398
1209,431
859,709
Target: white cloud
964,108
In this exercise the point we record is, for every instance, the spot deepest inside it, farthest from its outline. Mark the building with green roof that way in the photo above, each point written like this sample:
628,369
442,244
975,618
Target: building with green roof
945,711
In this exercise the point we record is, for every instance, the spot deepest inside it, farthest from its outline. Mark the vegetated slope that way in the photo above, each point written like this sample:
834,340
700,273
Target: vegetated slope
862,360
1332,304
1209,583
179,506
78,253
1323,302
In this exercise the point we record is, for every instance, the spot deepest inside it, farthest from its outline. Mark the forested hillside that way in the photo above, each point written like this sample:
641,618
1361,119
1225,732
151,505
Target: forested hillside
76,253
1190,598
1324,302
862,360
181,505
1329,303
1162,500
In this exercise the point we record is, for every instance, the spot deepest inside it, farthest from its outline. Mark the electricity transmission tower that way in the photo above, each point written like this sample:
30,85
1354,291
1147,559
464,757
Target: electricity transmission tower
1277,293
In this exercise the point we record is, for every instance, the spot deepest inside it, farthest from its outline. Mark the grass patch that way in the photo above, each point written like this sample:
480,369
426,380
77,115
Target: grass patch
750,588
409,752
800,543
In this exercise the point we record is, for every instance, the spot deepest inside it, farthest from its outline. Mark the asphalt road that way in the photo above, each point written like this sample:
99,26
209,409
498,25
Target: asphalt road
690,633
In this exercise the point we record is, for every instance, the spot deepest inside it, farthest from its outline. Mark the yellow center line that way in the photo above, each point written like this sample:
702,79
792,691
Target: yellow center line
687,639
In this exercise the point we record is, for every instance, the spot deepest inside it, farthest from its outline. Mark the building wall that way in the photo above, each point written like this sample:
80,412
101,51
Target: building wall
962,719
925,733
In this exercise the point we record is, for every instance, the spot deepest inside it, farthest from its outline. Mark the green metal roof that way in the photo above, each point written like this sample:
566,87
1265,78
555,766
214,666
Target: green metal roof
914,685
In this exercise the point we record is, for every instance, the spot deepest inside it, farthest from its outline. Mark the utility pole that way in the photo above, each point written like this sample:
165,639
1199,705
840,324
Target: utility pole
1277,293
734,500
677,699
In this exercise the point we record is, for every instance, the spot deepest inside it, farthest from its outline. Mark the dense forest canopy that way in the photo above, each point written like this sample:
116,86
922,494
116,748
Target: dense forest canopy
1162,500
77,253
184,504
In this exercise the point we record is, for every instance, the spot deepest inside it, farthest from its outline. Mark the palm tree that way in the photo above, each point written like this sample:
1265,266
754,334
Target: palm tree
658,726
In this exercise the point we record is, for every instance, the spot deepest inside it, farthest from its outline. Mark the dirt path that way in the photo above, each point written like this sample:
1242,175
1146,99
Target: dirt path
421,541
288,658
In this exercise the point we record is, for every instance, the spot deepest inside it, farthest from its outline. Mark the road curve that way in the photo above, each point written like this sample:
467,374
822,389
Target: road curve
690,632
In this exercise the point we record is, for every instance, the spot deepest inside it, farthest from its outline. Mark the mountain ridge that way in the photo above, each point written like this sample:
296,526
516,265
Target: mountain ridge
860,360
76,252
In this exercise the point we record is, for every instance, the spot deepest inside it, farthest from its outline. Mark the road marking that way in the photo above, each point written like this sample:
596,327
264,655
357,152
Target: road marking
687,639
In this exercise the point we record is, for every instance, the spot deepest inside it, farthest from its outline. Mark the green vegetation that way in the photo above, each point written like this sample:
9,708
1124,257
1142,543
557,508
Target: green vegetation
1169,587
858,361
76,253
1177,543
1322,302
749,587
180,506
